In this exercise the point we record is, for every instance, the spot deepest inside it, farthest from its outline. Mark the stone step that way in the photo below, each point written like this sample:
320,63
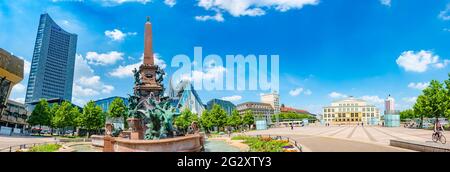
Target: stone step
421,146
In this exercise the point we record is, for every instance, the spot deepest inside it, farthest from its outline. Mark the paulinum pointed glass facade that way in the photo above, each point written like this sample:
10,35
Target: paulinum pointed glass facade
53,62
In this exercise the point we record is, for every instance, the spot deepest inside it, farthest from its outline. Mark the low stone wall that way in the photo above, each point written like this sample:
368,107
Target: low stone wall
97,140
65,140
420,146
190,143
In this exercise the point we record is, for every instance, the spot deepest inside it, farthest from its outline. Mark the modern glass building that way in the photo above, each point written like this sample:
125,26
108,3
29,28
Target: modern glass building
53,62
105,103
226,105
11,73
392,118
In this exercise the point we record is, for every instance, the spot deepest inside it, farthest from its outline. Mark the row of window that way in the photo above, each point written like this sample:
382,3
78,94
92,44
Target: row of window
369,109
339,115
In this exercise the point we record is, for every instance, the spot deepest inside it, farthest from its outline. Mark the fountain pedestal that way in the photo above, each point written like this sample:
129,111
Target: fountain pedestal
137,130
108,144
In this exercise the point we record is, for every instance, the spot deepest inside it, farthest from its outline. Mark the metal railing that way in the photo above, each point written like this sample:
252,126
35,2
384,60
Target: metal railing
276,137
16,148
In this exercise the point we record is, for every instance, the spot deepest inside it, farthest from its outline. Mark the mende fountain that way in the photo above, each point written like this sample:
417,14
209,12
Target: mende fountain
150,114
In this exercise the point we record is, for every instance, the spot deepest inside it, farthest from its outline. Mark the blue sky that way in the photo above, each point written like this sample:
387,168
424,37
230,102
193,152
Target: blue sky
328,49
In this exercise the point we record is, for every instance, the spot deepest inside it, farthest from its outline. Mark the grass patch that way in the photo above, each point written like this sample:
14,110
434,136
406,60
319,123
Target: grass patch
45,148
263,144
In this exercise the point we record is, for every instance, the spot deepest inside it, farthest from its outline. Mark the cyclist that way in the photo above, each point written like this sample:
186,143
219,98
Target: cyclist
438,128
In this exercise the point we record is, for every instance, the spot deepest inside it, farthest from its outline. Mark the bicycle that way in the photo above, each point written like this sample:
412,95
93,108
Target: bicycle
438,136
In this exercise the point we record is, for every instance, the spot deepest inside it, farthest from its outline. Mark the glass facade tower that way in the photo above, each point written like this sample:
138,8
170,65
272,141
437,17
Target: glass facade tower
53,62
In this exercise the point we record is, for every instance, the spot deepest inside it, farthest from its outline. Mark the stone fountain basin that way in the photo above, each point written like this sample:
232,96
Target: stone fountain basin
189,143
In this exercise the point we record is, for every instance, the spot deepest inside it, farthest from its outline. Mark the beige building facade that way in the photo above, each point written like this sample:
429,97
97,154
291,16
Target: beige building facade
351,111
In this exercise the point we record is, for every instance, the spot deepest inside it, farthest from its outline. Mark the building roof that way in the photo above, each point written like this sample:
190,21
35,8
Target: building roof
12,65
351,98
289,109
220,100
113,97
256,103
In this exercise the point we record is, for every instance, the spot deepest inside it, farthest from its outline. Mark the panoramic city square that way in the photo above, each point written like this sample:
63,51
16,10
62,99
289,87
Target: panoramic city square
349,138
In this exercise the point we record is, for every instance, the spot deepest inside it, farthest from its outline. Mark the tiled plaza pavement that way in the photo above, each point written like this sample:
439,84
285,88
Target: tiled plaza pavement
349,138
6,141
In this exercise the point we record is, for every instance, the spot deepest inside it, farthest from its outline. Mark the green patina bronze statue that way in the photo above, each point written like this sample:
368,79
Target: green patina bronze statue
155,111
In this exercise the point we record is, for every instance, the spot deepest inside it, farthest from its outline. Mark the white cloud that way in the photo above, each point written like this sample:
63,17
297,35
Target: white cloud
441,65
107,89
26,66
238,8
209,73
170,3
445,14
308,92
386,2
104,59
91,86
117,35
159,61
80,91
337,95
119,2
127,71
296,92
218,17
18,89
86,83
373,99
232,98
420,61
410,99
419,85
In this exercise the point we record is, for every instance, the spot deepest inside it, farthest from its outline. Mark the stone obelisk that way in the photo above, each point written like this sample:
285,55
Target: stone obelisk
149,88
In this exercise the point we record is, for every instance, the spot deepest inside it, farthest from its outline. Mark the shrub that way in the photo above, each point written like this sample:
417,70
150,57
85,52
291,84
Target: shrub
263,144
45,148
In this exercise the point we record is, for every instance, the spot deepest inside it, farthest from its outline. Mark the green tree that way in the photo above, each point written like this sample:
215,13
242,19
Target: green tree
185,120
40,115
92,117
75,116
218,116
447,97
407,114
206,121
54,107
248,118
433,102
234,120
117,108
62,117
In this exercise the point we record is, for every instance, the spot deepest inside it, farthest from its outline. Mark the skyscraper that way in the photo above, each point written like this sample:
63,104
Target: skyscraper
53,62
389,104
273,99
